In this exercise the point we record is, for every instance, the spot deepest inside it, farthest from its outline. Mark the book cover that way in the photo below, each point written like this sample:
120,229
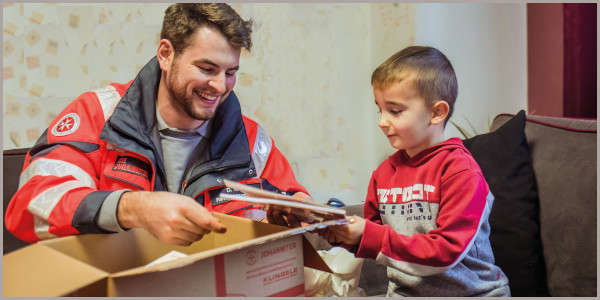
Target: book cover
305,210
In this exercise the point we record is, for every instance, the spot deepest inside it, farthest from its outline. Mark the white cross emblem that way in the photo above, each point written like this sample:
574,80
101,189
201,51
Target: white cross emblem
66,125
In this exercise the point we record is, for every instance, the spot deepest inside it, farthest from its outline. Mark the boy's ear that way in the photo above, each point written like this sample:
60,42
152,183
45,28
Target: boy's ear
439,112
165,54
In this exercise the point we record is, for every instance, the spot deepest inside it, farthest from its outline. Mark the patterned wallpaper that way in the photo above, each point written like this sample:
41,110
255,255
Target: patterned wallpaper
306,80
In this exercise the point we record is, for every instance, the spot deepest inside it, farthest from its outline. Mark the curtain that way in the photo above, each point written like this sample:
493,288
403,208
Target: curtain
580,60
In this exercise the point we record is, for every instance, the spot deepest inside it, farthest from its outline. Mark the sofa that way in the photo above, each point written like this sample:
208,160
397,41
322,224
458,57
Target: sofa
12,164
542,172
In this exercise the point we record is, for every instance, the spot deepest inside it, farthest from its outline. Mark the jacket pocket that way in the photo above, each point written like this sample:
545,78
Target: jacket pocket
126,171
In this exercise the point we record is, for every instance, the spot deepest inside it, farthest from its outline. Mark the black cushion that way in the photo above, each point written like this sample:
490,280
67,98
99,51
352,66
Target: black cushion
503,156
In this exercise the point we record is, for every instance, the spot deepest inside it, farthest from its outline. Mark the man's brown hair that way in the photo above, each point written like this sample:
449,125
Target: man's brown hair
431,73
183,19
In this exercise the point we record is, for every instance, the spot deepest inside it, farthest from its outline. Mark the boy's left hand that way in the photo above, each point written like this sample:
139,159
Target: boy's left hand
278,217
349,234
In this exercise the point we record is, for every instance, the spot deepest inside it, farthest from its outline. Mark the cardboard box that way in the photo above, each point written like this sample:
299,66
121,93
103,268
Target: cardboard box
251,259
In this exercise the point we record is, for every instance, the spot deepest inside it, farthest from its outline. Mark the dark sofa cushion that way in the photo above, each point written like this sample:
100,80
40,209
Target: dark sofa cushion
12,161
503,157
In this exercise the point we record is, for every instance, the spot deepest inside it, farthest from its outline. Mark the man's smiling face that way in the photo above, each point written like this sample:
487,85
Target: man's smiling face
203,75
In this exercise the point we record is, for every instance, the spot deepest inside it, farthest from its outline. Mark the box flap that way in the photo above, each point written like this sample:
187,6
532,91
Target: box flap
247,233
312,259
241,233
109,252
122,251
55,274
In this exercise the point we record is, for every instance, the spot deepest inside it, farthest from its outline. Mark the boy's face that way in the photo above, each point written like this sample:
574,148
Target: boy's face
405,118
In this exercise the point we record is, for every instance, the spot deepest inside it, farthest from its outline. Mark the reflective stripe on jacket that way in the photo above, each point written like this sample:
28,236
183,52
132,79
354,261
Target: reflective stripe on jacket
106,140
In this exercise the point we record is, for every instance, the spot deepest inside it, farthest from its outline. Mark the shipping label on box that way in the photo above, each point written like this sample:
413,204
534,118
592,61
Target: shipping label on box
272,269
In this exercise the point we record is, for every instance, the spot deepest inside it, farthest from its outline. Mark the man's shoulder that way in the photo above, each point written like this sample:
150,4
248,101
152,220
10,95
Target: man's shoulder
94,94
251,125
89,111
100,100
120,88
249,120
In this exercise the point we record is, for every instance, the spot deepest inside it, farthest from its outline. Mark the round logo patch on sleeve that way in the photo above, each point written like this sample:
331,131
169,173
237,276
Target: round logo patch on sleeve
67,125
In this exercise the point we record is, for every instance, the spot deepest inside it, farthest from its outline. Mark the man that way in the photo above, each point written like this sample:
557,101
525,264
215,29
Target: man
146,153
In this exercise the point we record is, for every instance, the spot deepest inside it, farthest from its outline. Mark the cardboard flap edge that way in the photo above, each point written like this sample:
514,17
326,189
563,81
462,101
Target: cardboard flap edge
43,267
312,259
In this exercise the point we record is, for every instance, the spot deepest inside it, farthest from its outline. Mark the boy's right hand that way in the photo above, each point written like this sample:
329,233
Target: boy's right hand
349,234
170,217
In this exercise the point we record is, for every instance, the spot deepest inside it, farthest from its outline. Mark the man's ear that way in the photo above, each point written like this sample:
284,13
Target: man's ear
165,54
439,112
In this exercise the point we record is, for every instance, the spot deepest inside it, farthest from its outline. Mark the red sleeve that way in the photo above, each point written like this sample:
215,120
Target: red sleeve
54,184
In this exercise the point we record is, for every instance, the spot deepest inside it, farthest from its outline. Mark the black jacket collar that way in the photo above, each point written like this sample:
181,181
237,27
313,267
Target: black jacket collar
133,125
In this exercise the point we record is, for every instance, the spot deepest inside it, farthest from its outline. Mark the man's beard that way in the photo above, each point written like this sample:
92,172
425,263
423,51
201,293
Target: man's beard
180,99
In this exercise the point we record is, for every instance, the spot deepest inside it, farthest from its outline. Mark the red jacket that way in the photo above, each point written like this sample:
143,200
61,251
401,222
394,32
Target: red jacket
106,140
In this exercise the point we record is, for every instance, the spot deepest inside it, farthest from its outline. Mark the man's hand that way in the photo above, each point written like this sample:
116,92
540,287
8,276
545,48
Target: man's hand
275,216
278,217
171,218
349,234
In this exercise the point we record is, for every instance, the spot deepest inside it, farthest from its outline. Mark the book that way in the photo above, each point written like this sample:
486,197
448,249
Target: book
305,210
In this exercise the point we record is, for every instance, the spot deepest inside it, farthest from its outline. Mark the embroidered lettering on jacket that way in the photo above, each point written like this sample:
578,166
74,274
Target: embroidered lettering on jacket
132,165
216,199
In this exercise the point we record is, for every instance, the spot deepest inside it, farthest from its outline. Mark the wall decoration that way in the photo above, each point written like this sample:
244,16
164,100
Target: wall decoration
306,80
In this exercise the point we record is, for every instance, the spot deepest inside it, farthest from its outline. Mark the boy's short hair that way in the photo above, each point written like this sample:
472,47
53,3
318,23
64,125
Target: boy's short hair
430,70
183,19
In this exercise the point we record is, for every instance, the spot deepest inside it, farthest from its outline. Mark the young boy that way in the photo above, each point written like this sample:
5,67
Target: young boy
427,207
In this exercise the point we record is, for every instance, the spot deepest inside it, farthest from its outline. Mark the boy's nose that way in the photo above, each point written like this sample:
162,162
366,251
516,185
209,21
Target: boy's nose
383,123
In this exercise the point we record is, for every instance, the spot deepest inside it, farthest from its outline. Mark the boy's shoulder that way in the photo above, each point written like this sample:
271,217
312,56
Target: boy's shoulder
460,159
451,156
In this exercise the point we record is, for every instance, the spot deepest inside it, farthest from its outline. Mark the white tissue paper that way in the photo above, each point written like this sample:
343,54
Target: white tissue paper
343,282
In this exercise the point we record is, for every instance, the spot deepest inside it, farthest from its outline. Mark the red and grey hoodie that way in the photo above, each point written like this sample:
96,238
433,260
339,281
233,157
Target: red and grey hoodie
427,220
106,140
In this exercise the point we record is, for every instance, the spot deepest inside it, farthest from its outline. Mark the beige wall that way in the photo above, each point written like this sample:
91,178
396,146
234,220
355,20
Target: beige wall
306,79
487,45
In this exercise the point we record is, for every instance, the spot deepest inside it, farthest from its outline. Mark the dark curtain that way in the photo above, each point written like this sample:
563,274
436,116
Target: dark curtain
580,64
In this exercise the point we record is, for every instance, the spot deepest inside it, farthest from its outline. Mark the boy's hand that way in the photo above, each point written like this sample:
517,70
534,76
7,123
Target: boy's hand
349,234
282,218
